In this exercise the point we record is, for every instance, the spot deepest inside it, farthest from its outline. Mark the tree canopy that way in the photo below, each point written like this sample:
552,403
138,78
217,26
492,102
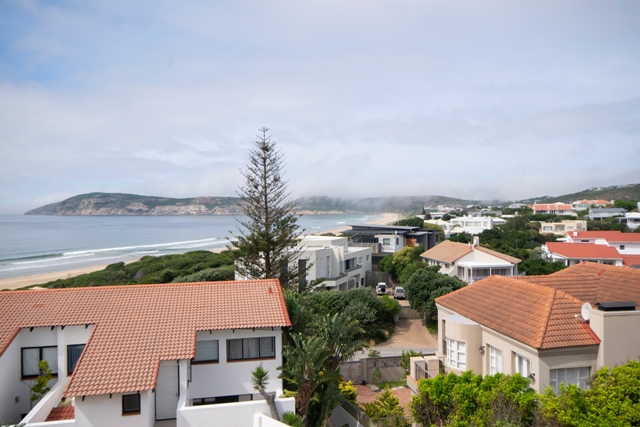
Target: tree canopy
267,237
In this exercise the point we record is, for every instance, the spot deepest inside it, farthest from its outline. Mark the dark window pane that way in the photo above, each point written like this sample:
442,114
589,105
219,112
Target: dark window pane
73,354
130,403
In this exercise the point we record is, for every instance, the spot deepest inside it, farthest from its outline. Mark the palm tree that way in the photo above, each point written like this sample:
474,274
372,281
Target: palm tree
259,379
342,335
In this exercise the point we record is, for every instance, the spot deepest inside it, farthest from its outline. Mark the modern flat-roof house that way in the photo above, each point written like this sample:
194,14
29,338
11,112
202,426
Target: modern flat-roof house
581,205
603,213
135,355
542,326
388,239
633,220
333,260
574,253
470,262
553,208
475,225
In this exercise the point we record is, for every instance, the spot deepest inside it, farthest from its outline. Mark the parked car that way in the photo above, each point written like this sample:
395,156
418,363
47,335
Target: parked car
381,289
398,293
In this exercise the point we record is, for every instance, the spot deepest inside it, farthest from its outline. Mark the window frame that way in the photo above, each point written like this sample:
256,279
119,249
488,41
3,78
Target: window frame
456,353
582,381
517,366
69,370
131,411
194,361
495,360
260,355
53,367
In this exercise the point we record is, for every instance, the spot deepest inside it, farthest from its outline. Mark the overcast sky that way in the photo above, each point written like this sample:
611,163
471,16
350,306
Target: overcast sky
471,99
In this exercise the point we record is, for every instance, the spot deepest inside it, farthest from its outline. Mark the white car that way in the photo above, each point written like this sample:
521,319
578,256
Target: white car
398,293
381,289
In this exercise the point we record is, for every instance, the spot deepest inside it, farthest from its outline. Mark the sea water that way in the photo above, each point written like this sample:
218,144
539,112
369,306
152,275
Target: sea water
33,244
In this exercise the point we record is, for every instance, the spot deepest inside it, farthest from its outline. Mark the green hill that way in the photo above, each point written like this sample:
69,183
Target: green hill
613,192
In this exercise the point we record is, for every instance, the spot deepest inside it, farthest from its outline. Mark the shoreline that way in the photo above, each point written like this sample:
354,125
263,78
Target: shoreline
38,279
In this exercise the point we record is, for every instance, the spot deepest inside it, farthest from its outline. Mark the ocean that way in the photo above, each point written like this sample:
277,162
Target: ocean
32,244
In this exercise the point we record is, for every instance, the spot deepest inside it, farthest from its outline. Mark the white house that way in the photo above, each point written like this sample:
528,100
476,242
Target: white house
633,220
474,224
135,355
553,208
624,243
332,260
552,329
470,262
602,213
575,253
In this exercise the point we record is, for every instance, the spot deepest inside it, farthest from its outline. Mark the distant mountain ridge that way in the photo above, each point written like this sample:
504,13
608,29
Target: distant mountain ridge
612,192
133,204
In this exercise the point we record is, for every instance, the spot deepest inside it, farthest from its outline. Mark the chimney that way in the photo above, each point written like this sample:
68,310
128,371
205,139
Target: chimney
476,241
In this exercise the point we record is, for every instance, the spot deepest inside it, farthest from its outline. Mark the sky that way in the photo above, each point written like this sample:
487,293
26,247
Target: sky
481,100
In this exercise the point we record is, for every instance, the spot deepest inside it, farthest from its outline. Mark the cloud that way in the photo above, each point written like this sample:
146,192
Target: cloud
467,99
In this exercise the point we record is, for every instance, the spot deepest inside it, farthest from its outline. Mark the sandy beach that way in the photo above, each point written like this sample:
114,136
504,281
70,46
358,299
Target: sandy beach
37,279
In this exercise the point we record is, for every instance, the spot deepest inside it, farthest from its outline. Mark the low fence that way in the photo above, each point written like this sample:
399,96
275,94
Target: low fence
410,313
362,370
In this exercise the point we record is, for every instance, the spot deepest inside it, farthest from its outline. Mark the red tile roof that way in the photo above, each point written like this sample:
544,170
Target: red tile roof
583,251
630,260
609,236
617,283
552,207
538,316
447,251
450,252
138,326
582,286
61,413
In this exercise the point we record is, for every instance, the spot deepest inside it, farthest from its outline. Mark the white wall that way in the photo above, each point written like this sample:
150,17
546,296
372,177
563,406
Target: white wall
103,411
240,414
233,378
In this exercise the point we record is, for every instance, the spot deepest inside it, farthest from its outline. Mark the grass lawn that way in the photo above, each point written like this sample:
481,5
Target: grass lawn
392,384
432,327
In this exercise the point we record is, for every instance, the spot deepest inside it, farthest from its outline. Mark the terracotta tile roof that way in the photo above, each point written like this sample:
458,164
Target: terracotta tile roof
138,326
538,316
609,236
583,251
552,207
582,286
616,283
630,260
502,256
61,413
447,251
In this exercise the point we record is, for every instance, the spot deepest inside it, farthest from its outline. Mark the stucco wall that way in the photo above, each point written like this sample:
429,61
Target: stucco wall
618,331
103,411
233,378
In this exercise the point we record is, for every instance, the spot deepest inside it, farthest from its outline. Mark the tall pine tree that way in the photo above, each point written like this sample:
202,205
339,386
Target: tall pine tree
268,237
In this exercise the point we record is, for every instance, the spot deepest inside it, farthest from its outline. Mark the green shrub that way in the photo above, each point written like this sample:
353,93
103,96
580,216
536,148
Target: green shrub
208,275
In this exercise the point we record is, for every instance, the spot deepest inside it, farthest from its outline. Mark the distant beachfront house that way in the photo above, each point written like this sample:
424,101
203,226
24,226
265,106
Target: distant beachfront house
389,239
334,262
473,224
134,355
470,262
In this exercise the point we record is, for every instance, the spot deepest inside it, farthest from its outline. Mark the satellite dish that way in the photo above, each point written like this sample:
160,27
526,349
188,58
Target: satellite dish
586,311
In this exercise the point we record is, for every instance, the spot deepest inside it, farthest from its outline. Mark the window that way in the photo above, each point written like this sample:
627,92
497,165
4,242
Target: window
495,360
206,351
397,241
386,241
577,376
31,357
73,354
461,272
251,348
622,247
359,260
456,354
522,365
131,403
368,257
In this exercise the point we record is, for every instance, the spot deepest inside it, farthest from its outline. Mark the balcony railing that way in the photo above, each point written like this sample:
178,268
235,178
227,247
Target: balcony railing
421,373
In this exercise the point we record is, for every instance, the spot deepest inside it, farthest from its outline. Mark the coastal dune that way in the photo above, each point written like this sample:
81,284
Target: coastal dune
37,279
